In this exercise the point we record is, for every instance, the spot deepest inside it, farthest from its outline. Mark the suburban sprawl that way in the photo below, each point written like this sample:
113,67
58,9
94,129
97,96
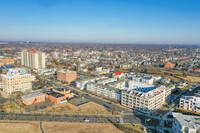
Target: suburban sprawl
126,88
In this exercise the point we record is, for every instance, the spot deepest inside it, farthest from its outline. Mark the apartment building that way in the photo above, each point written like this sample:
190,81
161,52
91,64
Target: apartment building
82,84
143,78
185,123
106,80
7,61
32,98
16,80
120,84
33,59
65,75
191,103
104,91
145,99
45,72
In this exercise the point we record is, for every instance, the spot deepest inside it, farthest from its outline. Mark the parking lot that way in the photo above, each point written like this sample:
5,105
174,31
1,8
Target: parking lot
78,101
38,106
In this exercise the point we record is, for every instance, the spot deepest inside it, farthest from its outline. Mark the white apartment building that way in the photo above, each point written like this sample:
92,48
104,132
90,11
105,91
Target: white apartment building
185,123
120,84
106,80
191,103
81,84
45,72
104,91
144,78
33,59
16,80
145,99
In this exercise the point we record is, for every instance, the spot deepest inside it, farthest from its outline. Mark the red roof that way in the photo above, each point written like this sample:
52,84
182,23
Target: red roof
119,73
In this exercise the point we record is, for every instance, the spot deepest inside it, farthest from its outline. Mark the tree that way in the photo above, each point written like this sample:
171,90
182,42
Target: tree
184,74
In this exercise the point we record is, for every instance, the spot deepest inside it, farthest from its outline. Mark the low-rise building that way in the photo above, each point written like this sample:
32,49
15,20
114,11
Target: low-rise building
82,84
7,61
169,65
59,95
45,72
32,98
64,91
104,91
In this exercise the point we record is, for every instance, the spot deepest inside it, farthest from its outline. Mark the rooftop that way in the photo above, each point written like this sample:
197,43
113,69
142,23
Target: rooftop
105,86
65,71
146,94
34,94
16,72
56,95
190,121
61,89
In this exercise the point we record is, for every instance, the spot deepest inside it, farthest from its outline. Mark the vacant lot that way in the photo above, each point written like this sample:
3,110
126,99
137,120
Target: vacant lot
86,109
173,78
55,127
10,107
19,127
190,78
78,128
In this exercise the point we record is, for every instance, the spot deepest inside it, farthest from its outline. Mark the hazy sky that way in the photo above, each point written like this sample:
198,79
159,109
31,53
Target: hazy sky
112,21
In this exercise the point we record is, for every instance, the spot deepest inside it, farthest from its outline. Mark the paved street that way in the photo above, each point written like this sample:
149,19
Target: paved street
58,118
129,116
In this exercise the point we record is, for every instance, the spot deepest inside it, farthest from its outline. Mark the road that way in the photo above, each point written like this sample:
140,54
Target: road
57,118
130,116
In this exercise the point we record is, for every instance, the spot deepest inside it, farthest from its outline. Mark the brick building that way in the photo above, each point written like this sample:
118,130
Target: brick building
7,61
169,65
32,98
59,95
66,75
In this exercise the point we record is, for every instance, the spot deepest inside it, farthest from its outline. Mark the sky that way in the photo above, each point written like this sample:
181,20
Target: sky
101,21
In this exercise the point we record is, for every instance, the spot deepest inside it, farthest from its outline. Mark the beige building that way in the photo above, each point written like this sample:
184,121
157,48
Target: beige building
33,59
16,80
145,99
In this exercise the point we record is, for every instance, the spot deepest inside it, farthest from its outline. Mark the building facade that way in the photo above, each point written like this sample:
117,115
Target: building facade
59,95
191,103
65,75
185,123
82,84
145,99
104,91
33,59
33,98
16,80
7,61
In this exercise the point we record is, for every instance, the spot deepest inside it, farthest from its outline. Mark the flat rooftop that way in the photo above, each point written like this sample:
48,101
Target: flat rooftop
56,95
34,94
66,71
61,89
190,121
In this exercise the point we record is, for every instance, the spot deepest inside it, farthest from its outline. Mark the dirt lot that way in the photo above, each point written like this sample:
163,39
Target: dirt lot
79,128
55,127
19,127
9,107
88,108
190,78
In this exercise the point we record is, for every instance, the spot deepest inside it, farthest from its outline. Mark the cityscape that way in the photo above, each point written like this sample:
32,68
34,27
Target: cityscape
50,84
